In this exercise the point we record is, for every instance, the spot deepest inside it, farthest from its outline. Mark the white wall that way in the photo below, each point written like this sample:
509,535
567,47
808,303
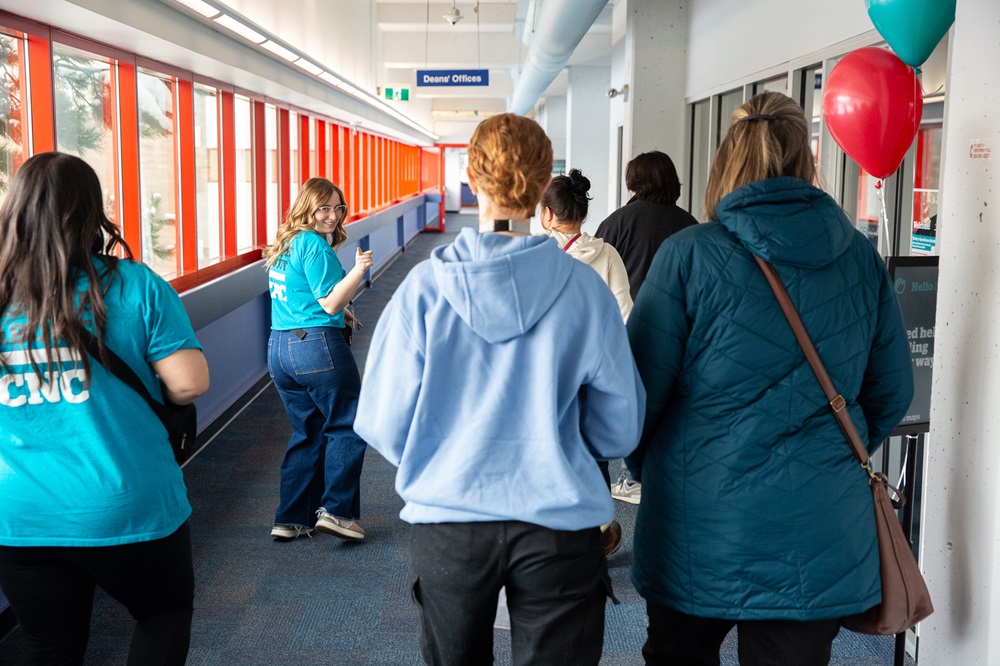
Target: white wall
732,39
340,36
962,518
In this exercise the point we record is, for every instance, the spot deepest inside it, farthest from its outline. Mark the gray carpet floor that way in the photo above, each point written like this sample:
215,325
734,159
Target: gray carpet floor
323,600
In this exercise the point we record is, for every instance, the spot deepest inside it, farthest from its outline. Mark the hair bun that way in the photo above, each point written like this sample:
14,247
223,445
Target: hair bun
579,184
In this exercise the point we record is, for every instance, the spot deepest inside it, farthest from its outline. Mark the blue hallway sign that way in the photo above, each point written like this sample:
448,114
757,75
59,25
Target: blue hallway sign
453,77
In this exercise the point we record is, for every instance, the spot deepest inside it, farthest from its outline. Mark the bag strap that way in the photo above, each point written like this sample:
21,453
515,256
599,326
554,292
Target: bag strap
837,402
121,370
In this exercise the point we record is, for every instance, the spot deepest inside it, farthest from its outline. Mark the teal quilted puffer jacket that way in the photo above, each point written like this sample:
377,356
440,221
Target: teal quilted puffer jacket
753,506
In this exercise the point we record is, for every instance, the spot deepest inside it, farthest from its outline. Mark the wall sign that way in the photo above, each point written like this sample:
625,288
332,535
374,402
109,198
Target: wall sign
915,280
453,77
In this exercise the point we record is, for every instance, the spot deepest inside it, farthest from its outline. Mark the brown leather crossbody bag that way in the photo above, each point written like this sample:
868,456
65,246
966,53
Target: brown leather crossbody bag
905,599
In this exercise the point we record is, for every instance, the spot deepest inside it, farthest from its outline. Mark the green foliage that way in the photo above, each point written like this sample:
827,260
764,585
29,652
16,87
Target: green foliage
153,221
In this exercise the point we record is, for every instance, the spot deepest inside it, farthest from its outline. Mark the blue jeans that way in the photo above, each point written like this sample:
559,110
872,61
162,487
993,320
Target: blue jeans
318,382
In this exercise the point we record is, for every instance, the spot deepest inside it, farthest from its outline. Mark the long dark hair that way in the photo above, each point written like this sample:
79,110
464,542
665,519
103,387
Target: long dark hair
52,224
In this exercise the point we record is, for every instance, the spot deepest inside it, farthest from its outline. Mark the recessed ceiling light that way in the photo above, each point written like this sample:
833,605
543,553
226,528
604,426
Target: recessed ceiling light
203,8
244,31
307,65
280,51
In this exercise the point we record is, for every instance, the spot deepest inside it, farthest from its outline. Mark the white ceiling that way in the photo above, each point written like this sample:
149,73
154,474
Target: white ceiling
414,35
371,43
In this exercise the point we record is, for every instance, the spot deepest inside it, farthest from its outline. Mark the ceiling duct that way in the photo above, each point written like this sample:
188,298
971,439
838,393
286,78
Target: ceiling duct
560,26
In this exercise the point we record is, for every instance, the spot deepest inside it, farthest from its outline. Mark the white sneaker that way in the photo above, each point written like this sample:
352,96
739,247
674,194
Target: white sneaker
339,527
289,532
627,491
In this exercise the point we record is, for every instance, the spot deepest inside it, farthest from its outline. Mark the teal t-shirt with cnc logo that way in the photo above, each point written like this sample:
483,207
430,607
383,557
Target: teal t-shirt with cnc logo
307,271
87,463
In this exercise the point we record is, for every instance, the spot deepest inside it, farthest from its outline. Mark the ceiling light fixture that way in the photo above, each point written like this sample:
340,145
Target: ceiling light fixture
280,51
309,66
244,31
259,37
330,78
203,8
454,15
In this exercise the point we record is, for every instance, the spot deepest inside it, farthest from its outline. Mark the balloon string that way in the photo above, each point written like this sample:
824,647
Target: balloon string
883,221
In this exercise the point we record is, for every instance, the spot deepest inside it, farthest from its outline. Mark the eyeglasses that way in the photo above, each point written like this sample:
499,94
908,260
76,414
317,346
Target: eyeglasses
339,211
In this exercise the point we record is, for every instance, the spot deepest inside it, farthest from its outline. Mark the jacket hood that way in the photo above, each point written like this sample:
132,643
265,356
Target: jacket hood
500,285
586,248
787,221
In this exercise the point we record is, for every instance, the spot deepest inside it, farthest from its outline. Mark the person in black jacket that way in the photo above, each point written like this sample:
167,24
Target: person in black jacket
638,228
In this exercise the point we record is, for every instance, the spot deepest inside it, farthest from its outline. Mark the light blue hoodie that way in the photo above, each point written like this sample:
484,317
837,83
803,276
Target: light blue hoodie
497,374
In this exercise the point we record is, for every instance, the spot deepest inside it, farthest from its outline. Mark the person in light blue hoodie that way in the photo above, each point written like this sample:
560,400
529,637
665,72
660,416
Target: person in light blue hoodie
501,365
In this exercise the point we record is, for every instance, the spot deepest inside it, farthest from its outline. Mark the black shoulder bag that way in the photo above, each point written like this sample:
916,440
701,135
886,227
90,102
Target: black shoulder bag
181,421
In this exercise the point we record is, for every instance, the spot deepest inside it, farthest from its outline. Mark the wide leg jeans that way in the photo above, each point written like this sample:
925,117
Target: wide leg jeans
318,382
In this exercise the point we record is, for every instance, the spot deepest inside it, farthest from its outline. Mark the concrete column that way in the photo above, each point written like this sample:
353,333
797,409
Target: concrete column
962,516
587,108
649,53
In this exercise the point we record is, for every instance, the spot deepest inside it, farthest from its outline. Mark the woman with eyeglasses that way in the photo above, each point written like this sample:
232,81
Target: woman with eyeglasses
312,366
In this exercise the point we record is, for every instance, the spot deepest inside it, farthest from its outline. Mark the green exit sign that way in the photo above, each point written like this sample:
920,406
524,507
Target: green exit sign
398,94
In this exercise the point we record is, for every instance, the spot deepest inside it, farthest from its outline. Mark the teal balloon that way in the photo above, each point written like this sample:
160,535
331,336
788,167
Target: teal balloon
912,28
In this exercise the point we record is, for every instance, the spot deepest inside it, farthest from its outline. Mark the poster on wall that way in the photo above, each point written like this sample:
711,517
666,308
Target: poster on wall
915,281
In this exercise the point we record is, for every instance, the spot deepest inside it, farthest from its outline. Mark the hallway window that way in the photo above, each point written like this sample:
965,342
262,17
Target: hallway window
243,124
86,115
701,156
206,181
271,146
158,172
294,160
13,112
727,103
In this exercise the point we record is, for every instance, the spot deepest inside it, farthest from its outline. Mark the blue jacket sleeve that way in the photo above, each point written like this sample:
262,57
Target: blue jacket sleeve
391,385
658,329
887,387
611,418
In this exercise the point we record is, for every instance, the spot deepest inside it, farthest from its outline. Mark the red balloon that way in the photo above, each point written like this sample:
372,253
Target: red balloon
872,104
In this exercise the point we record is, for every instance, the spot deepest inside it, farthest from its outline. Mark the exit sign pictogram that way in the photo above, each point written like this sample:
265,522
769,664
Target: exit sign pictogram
398,94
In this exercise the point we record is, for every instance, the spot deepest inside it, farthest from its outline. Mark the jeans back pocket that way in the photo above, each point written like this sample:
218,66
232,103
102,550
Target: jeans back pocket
310,355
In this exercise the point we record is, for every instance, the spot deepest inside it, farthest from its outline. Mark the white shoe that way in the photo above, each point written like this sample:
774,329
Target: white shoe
289,532
627,491
339,527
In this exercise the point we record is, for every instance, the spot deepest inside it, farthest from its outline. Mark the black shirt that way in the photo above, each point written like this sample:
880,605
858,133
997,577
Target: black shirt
637,229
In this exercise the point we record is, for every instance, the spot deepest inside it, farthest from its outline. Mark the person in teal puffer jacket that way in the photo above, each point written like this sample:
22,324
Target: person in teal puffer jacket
755,512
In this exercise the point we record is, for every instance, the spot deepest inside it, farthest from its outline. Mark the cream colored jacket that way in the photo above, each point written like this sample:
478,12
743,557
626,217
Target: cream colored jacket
604,259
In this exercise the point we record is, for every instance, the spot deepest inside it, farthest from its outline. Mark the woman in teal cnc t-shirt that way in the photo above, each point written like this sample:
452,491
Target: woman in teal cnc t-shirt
90,494
312,366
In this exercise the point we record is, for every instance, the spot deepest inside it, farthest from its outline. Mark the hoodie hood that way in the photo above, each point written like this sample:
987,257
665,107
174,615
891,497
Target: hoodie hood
586,248
787,221
500,285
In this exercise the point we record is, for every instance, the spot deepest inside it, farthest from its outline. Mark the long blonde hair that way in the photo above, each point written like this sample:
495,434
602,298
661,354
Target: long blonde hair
768,137
510,158
315,193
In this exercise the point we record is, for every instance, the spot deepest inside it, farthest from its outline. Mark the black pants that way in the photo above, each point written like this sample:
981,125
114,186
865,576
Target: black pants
685,640
51,591
556,581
